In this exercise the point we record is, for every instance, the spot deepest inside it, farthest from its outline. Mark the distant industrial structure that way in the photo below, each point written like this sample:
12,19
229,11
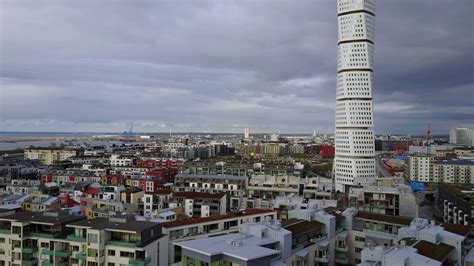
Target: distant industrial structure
462,136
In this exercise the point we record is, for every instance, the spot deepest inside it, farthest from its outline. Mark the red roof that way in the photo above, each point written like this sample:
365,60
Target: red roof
93,191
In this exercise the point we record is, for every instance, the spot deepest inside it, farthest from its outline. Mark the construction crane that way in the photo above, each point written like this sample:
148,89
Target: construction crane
128,134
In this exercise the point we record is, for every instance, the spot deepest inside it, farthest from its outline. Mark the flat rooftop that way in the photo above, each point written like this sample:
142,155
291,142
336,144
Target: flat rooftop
55,218
249,248
462,230
304,227
437,252
105,224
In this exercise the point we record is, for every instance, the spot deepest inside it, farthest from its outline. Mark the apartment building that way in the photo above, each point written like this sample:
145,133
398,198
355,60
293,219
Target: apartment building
396,199
48,156
454,171
197,228
369,229
200,204
120,240
37,238
154,202
67,176
426,168
270,186
254,244
132,197
422,243
59,238
455,204
120,160
234,186
240,169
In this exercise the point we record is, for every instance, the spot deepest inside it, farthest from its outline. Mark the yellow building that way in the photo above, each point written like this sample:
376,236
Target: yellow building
48,156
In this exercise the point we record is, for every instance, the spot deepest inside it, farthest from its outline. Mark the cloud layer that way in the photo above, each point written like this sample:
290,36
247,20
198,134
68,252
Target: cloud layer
221,66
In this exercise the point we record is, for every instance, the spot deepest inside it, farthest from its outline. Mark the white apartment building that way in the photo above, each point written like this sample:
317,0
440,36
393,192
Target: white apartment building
197,228
354,139
120,160
421,243
425,168
254,244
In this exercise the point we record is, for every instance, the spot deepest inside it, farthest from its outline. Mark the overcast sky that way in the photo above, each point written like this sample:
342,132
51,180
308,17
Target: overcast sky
220,66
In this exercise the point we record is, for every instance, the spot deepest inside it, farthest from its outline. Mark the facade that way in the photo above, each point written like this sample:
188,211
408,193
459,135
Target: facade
60,238
48,156
255,244
421,243
394,199
455,204
427,168
197,228
201,204
354,140
234,186
462,136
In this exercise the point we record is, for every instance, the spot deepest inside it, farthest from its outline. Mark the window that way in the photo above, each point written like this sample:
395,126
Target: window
92,238
92,252
358,250
126,254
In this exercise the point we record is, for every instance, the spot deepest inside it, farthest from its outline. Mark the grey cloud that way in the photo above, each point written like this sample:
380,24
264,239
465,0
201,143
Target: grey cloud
221,66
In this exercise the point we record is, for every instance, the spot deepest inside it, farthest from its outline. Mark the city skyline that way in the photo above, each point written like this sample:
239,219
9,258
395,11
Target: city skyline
268,67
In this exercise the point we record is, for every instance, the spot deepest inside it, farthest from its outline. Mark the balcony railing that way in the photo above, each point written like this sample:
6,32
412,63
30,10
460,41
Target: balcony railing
321,260
81,256
140,262
341,260
120,244
47,263
76,238
341,249
5,232
385,234
29,250
29,262
56,253
44,235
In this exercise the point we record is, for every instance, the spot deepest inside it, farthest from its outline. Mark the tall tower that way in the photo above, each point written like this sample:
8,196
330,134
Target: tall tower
354,163
246,133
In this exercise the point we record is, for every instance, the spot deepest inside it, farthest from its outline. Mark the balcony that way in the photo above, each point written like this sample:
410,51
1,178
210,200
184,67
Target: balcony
341,260
140,262
56,253
76,238
47,263
29,262
29,250
44,235
5,231
321,260
81,256
120,244
383,235
341,249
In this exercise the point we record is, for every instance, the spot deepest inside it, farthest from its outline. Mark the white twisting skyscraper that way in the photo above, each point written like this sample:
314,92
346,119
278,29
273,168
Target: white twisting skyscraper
354,162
